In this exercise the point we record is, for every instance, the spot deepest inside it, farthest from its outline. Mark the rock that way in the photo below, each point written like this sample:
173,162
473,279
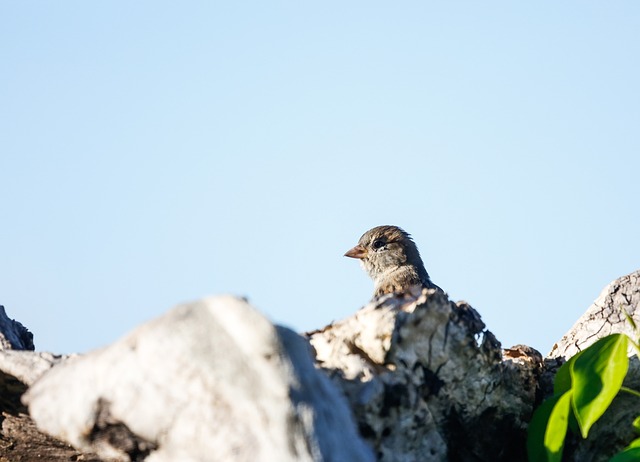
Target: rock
13,335
18,370
614,431
28,366
426,382
214,380
20,440
211,380
607,315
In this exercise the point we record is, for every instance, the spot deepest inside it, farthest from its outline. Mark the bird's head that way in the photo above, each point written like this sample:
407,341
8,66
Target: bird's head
384,249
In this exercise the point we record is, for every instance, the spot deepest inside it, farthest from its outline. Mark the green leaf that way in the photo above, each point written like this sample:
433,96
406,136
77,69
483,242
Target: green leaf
628,455
562,381
636,424
557,428
597,376
538,429
634,444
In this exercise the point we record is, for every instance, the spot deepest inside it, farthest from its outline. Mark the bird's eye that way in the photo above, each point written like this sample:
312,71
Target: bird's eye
377,244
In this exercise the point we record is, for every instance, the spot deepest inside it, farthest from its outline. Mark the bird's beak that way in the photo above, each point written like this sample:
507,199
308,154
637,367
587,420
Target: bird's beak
357,252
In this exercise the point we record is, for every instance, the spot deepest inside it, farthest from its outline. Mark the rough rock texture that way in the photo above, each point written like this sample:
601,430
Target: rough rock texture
605,316
13,335
20,440
215,381
211,380
28,366
426,382
614,431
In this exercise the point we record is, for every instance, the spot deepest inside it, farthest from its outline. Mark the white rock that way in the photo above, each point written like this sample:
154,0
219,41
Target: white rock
209,381
28,366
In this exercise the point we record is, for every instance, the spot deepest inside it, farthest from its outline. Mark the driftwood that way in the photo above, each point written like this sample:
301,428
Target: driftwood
406,378
427,382
607,315
211,380
20,440
13,335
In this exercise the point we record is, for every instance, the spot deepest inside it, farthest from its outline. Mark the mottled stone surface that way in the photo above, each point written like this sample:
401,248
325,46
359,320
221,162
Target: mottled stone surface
20,440
211,380
13,335
607,315
427,382
214,380
28,366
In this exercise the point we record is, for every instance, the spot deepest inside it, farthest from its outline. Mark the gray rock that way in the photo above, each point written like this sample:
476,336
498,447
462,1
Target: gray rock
13,335
607,315
426,382
18,370
20,440
614,431
211,380
214,380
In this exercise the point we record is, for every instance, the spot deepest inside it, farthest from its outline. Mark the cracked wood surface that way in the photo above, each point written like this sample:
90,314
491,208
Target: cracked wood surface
607,315
209,380
13,335
427,382
20,439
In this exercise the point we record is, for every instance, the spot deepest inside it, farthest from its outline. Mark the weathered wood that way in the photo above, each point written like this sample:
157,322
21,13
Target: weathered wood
607,315
13,335
211,380
20,440
427,382
214,380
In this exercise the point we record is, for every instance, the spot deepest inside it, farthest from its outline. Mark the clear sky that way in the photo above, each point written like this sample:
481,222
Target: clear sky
154,152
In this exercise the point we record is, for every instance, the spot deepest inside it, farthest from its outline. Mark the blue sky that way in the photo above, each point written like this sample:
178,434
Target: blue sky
153,153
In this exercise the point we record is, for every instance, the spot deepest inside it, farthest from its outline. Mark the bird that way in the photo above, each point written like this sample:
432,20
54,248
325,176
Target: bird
391,258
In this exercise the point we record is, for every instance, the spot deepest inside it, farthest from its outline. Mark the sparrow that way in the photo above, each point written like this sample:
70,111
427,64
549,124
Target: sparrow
391,258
